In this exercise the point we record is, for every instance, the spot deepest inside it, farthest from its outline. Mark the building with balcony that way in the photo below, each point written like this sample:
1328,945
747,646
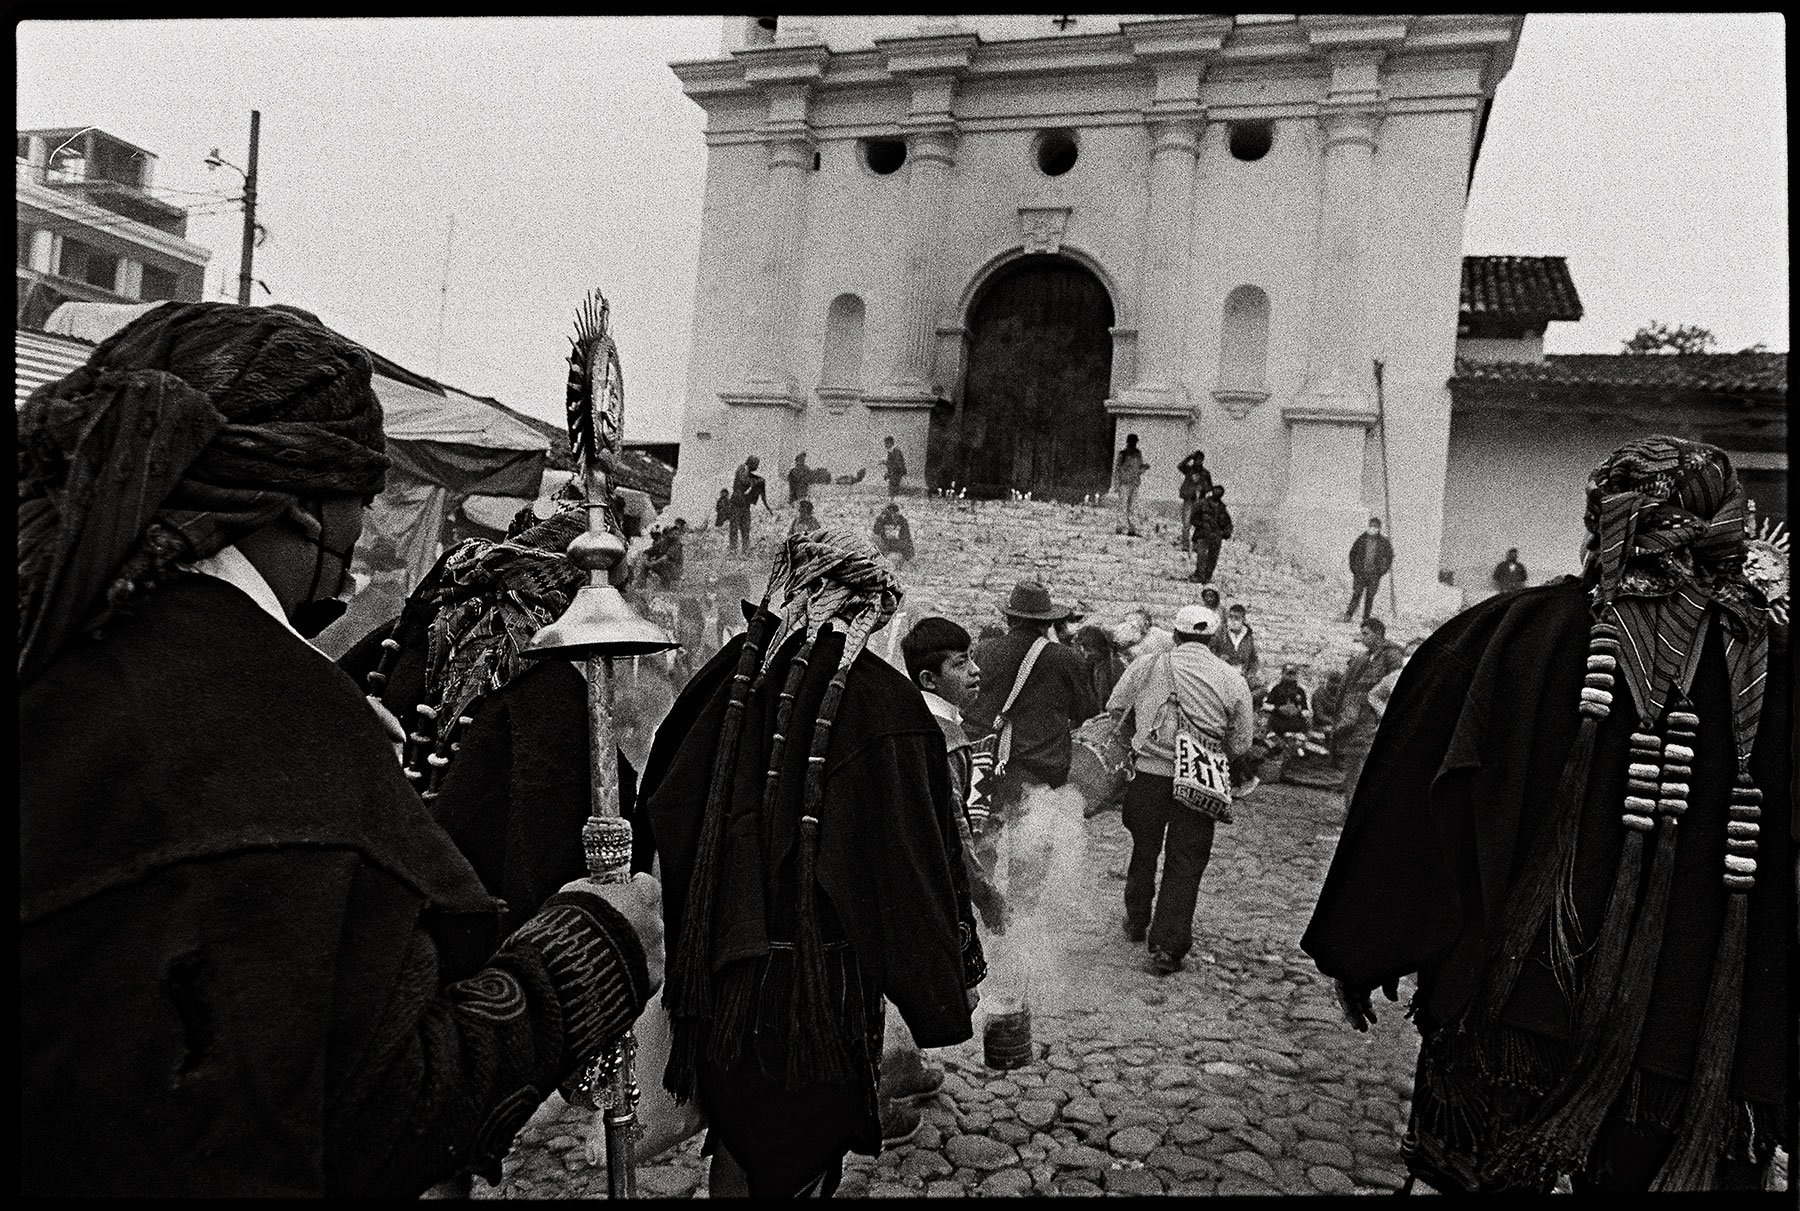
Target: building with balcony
92,230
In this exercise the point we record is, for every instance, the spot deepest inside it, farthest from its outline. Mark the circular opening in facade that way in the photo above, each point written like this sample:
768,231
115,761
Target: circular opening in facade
1056,152
884,156
1251,140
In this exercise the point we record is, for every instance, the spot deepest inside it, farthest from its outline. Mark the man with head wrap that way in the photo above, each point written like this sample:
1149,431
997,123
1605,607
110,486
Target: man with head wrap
805,823
250,963
1560,828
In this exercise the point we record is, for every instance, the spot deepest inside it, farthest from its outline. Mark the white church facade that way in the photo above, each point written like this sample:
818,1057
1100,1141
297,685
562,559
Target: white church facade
1010,241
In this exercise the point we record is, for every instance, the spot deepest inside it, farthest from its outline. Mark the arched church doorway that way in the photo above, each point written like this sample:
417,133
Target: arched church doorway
1032,415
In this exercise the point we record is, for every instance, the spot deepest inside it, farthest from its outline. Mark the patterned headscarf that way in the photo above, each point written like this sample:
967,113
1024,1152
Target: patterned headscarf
190,427
1668,520
492,597
824,574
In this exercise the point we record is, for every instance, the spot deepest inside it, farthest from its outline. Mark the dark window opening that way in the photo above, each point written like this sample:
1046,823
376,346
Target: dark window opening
815,161
884,156
84,264
25,237
159,284
1251,140
1056,152
24,147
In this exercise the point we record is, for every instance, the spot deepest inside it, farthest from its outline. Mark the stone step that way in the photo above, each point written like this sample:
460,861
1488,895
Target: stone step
970,553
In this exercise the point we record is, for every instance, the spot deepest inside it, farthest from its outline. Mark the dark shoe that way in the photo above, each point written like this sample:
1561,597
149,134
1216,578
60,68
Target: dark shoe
899,1123
910,1081
1135,933
1162,963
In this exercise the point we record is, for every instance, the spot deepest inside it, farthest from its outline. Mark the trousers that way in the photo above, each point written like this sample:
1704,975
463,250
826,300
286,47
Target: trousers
1206,558
1364,587
740,529
1154,819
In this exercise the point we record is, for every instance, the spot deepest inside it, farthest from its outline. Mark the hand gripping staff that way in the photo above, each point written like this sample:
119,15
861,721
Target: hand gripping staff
598,627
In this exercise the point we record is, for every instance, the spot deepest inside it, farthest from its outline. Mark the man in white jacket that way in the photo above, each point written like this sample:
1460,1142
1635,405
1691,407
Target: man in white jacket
1186,688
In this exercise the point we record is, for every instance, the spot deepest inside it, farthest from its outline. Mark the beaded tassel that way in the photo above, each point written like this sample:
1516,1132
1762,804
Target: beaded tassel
1602,664
390,652
1740,835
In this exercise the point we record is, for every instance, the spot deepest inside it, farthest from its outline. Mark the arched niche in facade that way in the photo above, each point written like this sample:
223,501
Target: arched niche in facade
840,376
1243,350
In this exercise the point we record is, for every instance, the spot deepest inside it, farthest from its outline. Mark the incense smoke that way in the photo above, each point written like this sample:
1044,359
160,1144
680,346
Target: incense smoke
1042,873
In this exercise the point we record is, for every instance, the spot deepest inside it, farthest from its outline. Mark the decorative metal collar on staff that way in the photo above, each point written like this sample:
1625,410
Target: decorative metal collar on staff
598,626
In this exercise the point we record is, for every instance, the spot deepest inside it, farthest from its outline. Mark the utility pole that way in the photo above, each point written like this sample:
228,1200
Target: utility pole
246,258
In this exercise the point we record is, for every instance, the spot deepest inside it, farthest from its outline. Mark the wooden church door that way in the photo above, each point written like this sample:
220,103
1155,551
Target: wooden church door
1032,414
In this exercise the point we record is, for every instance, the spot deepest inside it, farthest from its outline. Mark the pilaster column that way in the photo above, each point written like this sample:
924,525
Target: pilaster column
930,158
1339,357
931,63
1179,51
790,160
786,75
1330,419
1174,144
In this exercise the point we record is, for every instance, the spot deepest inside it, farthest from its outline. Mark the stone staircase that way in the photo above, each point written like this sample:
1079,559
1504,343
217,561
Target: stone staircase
970,553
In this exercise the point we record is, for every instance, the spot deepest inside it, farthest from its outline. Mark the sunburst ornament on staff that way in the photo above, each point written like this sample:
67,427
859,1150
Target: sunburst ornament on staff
596,396
1766,564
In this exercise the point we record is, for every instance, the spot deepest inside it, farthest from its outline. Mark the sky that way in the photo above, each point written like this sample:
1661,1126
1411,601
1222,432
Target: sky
1648,149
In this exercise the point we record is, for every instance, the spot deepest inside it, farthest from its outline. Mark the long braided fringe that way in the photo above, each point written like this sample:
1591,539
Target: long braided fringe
1545,891
1561,1133
688,994
816,1051
1706,1125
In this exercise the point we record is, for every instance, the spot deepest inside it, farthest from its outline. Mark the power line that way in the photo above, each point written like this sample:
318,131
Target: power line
53,176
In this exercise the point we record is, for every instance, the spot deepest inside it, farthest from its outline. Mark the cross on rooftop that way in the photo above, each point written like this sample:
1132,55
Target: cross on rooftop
1063,23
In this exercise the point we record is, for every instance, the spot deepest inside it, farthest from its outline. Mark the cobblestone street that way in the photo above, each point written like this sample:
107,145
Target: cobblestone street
1233,1076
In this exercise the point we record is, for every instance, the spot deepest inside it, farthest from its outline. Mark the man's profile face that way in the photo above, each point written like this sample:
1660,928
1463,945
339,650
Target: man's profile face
1374,527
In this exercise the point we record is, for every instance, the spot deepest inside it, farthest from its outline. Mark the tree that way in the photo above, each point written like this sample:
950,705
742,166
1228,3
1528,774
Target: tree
1656,337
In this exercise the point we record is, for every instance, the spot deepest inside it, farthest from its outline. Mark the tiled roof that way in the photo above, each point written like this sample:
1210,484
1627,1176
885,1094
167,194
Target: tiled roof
1519,287
1724,373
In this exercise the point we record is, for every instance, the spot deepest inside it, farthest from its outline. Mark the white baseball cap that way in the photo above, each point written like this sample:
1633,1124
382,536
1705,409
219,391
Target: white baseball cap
1196,620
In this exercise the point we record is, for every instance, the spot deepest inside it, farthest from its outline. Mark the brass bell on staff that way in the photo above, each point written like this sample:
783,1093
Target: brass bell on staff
599,623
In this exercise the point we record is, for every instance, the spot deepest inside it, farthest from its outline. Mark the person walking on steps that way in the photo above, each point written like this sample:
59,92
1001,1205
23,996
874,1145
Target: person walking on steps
1212,526
1371,555
1127,475
896,466
1192,716
747,487
1196,483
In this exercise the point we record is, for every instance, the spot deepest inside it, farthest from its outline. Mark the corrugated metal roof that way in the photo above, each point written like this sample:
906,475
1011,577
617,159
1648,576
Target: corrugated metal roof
1519,287
40,358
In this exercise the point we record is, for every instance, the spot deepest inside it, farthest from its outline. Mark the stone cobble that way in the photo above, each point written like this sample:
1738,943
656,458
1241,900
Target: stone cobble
1228,1035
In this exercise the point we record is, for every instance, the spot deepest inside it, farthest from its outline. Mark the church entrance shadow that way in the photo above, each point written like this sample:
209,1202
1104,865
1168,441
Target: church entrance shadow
1032,414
